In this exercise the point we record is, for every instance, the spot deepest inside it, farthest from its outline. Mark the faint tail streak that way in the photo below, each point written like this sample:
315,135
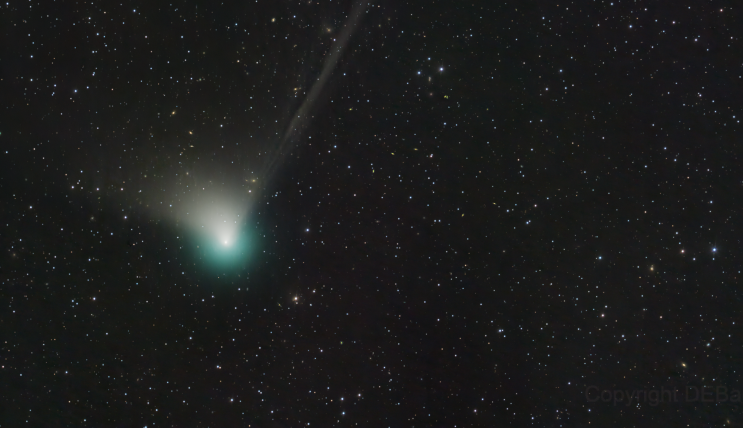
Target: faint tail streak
301,117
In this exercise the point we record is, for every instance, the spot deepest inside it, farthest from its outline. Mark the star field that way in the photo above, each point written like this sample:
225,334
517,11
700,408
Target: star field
349,213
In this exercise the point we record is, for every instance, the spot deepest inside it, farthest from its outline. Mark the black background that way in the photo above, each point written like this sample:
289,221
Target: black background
495,206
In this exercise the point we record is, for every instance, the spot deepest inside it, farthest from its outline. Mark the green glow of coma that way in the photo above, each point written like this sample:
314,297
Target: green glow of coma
231,252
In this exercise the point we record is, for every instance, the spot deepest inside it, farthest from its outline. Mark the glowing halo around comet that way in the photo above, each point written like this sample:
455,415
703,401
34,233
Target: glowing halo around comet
220,230
223,253
210,199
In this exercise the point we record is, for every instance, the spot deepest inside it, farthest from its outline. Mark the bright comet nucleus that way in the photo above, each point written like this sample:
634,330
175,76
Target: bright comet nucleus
218,220
213,211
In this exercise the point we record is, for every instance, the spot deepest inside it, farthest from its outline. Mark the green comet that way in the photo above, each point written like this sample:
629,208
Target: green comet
220,232
227,252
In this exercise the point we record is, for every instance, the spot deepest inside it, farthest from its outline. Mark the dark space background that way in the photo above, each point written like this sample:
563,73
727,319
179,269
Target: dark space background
496,206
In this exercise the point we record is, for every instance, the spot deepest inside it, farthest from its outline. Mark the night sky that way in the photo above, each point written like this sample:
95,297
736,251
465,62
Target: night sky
377,214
